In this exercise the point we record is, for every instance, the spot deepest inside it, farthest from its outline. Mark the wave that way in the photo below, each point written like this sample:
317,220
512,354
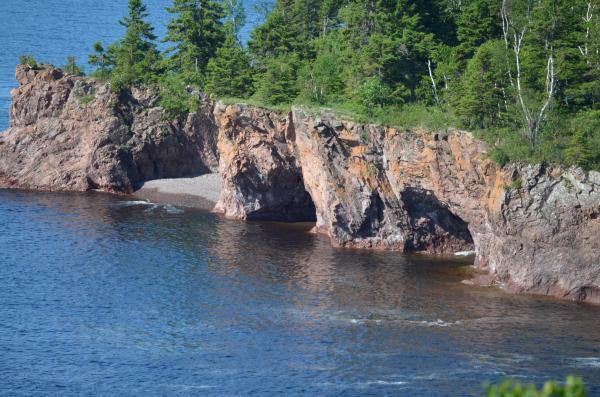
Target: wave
593,362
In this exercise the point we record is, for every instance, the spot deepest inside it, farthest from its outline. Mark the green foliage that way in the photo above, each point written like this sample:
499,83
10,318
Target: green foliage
229,73
102,61
278,84
28,60
483,100
176,98
196,32
322,81
86,100
135,56
583,148
477,23
573,387
72,68
499,156
523,75
373,95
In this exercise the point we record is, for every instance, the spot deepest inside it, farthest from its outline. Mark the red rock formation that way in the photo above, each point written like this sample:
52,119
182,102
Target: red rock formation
67,133
367,186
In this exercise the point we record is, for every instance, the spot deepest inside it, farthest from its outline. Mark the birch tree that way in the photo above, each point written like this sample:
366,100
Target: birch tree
517,23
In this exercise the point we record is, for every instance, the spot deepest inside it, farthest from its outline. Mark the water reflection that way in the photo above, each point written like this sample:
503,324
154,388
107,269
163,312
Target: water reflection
102,294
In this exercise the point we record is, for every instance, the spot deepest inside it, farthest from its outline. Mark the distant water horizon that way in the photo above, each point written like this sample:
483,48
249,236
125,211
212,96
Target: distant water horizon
52,30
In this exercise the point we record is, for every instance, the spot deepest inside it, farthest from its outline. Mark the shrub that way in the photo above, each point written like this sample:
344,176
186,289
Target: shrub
373,94
86,100
175,97
28,60
573,387
499,157
72,68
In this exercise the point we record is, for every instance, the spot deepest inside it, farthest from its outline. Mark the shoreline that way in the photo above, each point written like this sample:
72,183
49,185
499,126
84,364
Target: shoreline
197,192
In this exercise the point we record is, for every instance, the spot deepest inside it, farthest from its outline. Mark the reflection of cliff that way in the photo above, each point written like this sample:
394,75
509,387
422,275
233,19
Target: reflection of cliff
366,186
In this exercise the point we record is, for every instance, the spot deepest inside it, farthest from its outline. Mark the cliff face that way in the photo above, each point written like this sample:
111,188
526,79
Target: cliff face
365,186
383,188
70,134
261,177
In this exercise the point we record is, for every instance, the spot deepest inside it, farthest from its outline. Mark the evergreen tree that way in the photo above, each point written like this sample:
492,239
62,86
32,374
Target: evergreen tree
135,56
279,85
196,32
101,60
71,67
235,16
322,81
477,22
229,74
483,98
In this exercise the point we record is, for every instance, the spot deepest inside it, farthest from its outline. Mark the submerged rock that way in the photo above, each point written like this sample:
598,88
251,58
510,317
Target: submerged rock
532,228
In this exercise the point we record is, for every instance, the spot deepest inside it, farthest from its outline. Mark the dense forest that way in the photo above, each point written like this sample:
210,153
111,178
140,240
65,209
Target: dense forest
522,74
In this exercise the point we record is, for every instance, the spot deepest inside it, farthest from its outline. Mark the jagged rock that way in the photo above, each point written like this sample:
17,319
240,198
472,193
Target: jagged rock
533,228
261,179
67,133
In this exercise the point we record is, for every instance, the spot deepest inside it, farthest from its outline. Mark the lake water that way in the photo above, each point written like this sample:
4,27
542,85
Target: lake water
104,295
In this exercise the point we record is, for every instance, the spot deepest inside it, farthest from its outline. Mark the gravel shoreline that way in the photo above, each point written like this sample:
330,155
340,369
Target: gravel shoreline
200,192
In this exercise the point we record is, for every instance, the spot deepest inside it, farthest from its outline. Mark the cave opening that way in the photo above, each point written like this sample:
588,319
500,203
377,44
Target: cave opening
435,228
290,202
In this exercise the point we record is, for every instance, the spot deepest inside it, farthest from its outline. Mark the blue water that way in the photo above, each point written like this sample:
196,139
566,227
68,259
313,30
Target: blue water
103,295
51,30
106,296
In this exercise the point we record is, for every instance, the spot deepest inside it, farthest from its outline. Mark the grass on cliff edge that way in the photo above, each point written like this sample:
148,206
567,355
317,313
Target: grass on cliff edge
556,144
409,116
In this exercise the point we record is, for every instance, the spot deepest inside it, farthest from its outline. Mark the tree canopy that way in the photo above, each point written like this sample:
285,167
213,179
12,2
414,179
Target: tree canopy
523,74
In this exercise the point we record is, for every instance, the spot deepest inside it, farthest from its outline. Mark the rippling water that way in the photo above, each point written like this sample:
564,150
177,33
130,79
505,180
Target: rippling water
109,296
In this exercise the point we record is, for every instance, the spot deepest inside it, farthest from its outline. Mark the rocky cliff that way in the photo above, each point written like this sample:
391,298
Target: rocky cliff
67,133
533,229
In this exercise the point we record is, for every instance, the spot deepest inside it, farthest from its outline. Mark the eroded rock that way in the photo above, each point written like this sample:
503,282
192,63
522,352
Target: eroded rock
534,229
67,133
261,178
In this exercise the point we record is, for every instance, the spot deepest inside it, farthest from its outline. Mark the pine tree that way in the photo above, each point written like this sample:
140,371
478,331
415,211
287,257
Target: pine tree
229,74
478,22
278,84
482,101
101,60
72,68
196,32
135,56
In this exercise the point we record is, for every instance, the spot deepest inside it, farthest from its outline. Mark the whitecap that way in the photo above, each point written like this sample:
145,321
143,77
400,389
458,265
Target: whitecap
134,202
172,209
387,383
437,323
593,362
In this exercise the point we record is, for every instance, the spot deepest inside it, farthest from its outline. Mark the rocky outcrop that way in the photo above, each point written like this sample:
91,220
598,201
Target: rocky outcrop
545,236
261,178
67,133
533,229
